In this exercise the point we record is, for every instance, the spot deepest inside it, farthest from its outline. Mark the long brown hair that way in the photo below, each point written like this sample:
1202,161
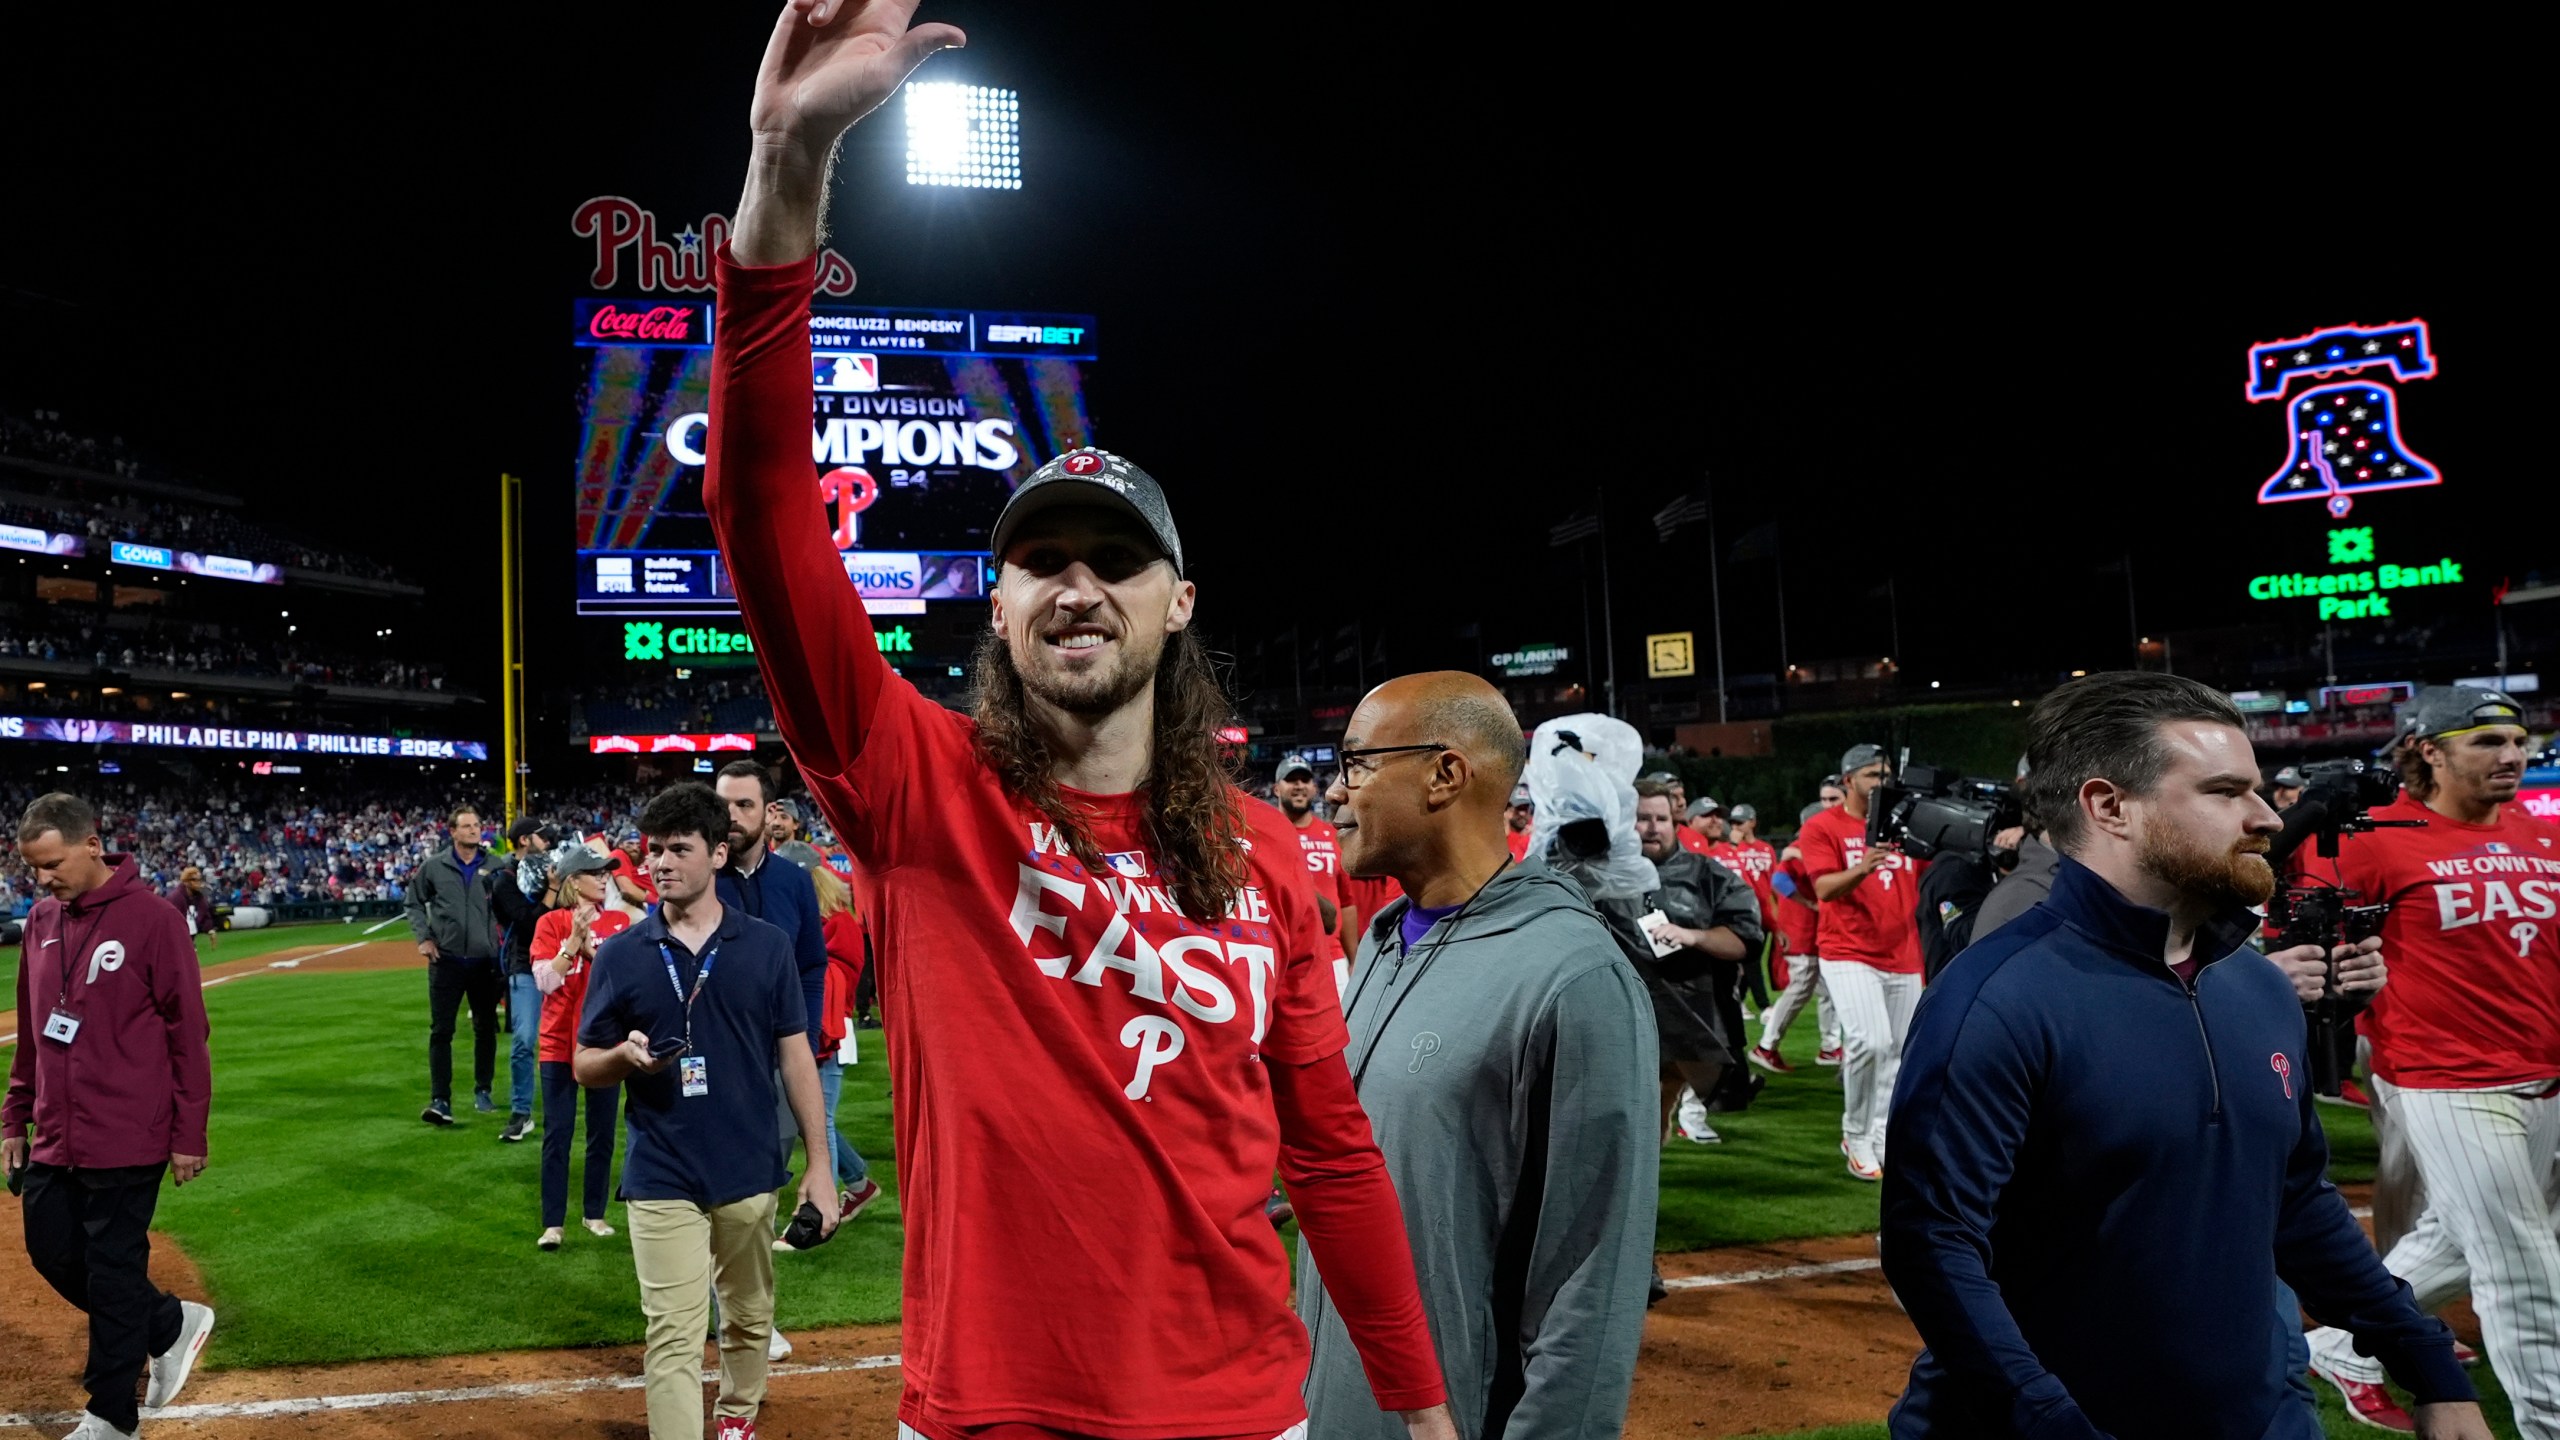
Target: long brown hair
1193,823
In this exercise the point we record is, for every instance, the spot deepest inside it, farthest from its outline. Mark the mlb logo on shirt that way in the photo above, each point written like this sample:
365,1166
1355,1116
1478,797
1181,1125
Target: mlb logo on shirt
1132,863
840,374
2499,847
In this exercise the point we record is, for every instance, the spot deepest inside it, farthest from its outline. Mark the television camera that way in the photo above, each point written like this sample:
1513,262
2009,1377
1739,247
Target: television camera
1928,812
2338,798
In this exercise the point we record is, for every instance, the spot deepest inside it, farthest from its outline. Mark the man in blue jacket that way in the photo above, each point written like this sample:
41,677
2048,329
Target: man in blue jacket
2103,1150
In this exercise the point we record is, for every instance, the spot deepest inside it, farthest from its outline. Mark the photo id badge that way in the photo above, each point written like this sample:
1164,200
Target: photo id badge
695,1074
61,1025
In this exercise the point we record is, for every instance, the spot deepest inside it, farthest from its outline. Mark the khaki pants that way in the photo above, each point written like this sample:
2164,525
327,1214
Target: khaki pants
682,1252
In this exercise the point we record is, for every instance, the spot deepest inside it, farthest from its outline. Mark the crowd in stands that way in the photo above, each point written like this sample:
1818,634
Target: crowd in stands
252,849
204,648
727,703
103,513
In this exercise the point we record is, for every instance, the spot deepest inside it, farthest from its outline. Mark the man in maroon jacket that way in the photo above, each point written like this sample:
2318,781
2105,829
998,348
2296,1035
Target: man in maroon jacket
112,1071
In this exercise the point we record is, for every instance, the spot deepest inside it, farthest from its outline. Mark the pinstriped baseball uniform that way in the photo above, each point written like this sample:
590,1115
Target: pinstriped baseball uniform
2466,1055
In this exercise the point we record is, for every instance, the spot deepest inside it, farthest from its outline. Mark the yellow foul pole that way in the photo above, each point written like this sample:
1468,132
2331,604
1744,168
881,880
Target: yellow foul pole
511,684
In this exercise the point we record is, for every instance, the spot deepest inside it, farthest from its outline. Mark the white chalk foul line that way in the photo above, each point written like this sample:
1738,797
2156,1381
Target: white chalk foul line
12,1038
381,1399
1789,1272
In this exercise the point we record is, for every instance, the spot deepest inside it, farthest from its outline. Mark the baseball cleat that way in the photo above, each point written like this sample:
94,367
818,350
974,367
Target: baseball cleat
170,1368
2367,1403
1827,1055
1862,1165
1769,1059
734,1427
2464,1354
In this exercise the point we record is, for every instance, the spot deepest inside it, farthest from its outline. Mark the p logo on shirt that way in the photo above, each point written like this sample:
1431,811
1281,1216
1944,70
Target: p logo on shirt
109,956
2284,1071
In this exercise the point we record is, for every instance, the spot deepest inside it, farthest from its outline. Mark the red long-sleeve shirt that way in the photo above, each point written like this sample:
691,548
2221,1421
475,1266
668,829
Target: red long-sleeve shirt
1108,1271
135,1084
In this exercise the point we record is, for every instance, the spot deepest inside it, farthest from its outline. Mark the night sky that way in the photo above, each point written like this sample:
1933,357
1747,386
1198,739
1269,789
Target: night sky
1377,314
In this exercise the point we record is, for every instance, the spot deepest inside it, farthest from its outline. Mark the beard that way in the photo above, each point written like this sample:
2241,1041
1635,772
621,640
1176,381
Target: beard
1295,808
2238,875
1095,691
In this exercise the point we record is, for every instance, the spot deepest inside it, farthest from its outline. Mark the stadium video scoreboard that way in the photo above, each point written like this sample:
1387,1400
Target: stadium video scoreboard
922,423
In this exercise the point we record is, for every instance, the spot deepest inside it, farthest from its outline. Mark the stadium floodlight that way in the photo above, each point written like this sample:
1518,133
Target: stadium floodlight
964,135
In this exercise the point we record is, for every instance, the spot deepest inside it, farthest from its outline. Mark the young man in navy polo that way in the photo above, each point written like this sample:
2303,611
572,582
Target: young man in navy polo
694,1010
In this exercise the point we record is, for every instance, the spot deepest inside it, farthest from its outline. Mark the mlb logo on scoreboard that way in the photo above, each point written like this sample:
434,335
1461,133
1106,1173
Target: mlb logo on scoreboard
842,374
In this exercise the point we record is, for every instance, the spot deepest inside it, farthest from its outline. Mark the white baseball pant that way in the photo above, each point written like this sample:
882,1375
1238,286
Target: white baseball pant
1804,979
1875,1013
2486,1158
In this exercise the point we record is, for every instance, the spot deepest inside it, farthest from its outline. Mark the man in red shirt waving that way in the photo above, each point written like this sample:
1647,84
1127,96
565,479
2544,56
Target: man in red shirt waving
2466,1040
1075,902
1869,942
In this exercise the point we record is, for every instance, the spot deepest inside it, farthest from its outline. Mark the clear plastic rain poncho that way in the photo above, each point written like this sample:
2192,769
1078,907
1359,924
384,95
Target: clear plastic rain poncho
1583,768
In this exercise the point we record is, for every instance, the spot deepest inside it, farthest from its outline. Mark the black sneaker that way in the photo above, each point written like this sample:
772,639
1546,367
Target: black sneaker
480,1101
518,1127
438,1112
1657,1292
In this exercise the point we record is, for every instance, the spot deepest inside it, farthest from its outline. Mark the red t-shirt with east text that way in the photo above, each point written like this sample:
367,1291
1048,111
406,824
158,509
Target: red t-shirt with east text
1323,850
2473,941
1753,860
1877,922
1009,968
560,1008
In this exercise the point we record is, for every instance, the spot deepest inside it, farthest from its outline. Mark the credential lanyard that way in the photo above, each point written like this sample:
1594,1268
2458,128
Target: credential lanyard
677,984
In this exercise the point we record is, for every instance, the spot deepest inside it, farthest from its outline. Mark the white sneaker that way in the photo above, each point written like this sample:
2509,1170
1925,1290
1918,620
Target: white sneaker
1693,1121
93,1428
171,1367
1862,1161
777,1348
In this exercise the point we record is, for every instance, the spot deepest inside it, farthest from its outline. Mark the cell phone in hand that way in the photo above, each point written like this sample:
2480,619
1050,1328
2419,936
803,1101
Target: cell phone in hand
666,1049
807,1228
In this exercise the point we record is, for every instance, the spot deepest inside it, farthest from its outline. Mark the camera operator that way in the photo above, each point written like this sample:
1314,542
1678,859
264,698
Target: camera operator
1952,895
2466,1037
1869,945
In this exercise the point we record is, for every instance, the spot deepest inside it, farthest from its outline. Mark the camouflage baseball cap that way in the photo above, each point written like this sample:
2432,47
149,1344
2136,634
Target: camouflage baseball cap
1087,476
2442,710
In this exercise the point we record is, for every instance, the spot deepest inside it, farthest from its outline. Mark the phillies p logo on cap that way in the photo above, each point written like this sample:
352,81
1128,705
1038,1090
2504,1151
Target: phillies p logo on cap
1083,462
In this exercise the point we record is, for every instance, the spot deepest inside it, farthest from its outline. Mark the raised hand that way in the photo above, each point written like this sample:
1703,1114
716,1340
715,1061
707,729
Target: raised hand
831,62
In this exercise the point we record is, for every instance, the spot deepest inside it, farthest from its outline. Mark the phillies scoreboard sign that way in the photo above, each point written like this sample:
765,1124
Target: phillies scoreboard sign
922,422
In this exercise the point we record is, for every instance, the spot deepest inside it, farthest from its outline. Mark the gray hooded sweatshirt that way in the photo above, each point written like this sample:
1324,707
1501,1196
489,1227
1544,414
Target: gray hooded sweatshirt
1508,1066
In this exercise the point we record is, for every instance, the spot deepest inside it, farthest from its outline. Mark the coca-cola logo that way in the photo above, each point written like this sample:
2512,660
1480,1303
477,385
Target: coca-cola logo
666,323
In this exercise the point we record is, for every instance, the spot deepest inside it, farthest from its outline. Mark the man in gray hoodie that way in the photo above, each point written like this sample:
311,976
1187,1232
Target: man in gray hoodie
1504,1050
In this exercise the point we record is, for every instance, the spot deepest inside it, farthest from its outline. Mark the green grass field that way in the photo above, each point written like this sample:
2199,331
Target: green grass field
233,945
334,1226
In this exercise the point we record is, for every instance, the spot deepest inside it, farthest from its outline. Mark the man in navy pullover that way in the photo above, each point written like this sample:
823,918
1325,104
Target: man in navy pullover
2103,1151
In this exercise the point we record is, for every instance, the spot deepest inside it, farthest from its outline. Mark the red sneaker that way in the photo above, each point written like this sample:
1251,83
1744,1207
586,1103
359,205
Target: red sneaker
853,1200
1827,1057
1770,1060
2464,1354
2369,1404
2350,1093
1278,1210
734,1428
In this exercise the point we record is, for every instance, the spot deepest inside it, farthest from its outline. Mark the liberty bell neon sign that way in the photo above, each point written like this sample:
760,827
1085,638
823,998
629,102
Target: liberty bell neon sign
2345,426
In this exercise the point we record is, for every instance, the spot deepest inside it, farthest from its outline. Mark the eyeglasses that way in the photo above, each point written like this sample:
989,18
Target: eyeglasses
1359,765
